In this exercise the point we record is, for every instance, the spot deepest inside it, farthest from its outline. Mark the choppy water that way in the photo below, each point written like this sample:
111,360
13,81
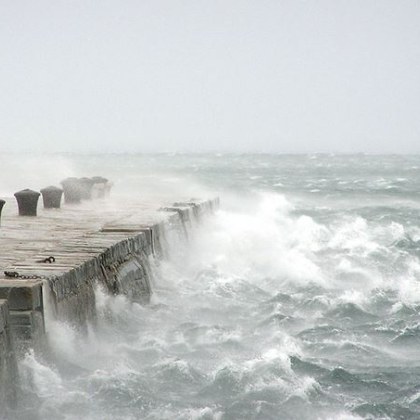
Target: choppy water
299,299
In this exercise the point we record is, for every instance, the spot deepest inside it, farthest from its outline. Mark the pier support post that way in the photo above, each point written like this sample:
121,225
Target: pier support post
26,308
8,364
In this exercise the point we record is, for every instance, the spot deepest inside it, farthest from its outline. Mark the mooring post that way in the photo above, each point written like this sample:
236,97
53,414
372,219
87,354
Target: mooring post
51,197
86,185
2,203
27,202
72,190
108,187
99,183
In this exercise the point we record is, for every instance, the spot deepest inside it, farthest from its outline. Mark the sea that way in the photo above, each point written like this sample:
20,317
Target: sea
298,299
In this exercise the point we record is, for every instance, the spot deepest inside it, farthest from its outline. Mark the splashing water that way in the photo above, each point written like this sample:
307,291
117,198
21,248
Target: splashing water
299,299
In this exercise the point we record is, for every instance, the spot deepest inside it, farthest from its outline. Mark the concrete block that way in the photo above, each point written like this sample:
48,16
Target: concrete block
26,325
4,315
8,366
22,294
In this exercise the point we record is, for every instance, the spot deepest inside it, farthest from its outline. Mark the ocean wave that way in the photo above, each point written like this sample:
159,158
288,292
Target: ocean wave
385,411
340,376
350,313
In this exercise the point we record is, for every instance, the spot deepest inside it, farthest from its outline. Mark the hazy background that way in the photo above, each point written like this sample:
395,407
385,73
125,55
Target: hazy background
206,75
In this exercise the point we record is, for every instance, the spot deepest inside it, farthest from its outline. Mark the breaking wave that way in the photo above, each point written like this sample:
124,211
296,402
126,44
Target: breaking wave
288,303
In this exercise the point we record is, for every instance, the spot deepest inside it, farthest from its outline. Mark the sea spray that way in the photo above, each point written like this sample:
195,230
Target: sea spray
298,300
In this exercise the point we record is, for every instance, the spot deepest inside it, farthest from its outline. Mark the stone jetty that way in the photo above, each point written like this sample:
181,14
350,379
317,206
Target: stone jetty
52,263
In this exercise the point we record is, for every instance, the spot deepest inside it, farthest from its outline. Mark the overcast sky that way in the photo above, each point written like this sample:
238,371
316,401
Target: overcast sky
210,75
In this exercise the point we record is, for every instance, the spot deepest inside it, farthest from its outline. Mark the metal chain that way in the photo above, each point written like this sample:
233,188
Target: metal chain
16,275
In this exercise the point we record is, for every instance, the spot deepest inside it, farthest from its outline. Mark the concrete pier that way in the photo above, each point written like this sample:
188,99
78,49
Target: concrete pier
92,243
8,367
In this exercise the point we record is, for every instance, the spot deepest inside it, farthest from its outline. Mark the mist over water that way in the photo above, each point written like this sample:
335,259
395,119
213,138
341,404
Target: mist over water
298,299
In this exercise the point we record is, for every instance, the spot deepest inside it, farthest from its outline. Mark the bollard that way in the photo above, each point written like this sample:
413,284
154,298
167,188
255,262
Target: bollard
98,190
52,197
2,203
72,190
108,187
99,180
86,185
27,202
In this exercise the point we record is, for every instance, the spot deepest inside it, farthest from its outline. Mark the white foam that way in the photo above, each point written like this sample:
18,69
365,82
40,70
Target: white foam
266,244
42,379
